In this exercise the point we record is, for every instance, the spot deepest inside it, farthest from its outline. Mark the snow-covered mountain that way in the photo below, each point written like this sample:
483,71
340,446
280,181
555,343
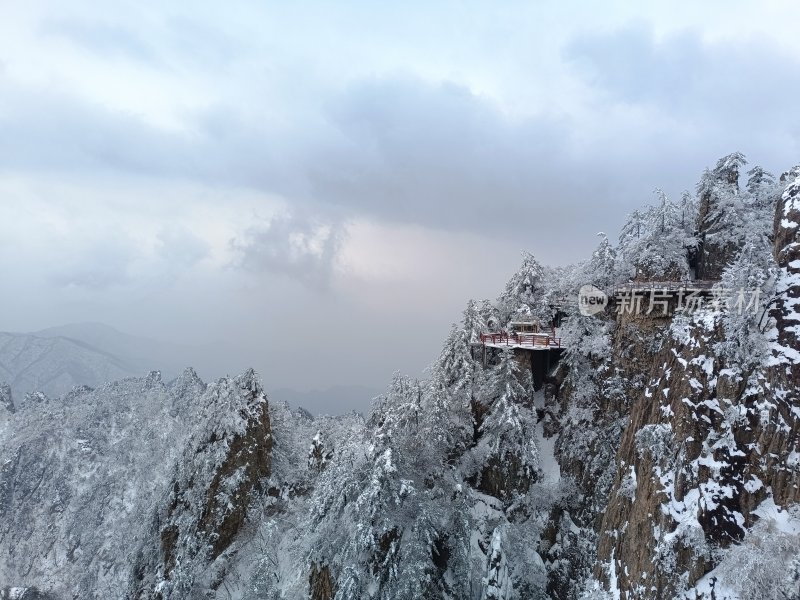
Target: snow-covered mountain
54,365
140,354
657,459
55,360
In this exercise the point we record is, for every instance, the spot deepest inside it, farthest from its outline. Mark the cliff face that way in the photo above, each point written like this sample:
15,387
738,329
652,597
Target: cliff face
706,440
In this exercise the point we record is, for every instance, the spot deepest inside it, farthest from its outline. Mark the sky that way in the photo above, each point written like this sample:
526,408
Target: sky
317,189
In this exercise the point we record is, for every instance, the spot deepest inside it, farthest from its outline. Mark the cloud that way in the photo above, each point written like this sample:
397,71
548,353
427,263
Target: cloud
94,265
408,149
180,249
399,149
746,80
440,155
44,130
107,39
303,249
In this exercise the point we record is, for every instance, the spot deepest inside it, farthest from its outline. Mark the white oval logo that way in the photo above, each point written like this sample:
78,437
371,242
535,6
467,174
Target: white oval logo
591,300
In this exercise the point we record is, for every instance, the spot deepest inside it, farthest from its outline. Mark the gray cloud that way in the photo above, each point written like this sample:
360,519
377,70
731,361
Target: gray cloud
301,248
405,150
442,156
749,80
95,265
439,155
180,249
44,130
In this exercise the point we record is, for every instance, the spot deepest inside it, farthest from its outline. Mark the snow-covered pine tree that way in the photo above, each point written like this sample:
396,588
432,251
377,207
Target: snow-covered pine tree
474,321
524,292
455,379
760,182
629,239
601,268
688,213
319,454
747,285
507,444
654,244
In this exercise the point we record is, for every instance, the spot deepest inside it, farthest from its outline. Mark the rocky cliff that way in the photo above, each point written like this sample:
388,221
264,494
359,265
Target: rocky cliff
695,428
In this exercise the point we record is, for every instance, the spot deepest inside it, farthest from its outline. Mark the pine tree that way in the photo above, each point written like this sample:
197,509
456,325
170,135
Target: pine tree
759,181
654,244
474,322
524,292
688,213
507,442
601,269
633,229
746,287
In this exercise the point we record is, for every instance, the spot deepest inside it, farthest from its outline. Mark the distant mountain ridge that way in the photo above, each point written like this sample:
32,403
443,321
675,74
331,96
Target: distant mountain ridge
55,360
54,365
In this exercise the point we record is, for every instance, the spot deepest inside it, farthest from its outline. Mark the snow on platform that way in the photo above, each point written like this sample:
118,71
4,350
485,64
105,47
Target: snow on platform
529,341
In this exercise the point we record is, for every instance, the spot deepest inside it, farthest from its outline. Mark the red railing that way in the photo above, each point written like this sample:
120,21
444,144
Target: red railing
531,340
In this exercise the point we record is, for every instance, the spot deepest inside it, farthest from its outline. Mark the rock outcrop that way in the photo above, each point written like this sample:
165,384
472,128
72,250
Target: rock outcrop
216,481
138,484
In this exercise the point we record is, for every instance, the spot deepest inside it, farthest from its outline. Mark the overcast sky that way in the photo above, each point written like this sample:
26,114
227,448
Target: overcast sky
317,189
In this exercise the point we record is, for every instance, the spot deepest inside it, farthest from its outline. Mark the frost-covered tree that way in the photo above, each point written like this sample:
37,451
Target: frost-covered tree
688,213
456,378
760,183
745,290
507,448
765,564
457,366
601,268
525,291
507,381
371,547
633,229
654,244
474,321
319,454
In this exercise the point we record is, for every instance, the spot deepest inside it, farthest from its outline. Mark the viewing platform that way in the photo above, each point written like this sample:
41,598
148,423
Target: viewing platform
531,341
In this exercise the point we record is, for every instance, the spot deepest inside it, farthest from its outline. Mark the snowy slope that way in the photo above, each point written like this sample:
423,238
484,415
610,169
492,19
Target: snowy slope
54,365
140,354
55,360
